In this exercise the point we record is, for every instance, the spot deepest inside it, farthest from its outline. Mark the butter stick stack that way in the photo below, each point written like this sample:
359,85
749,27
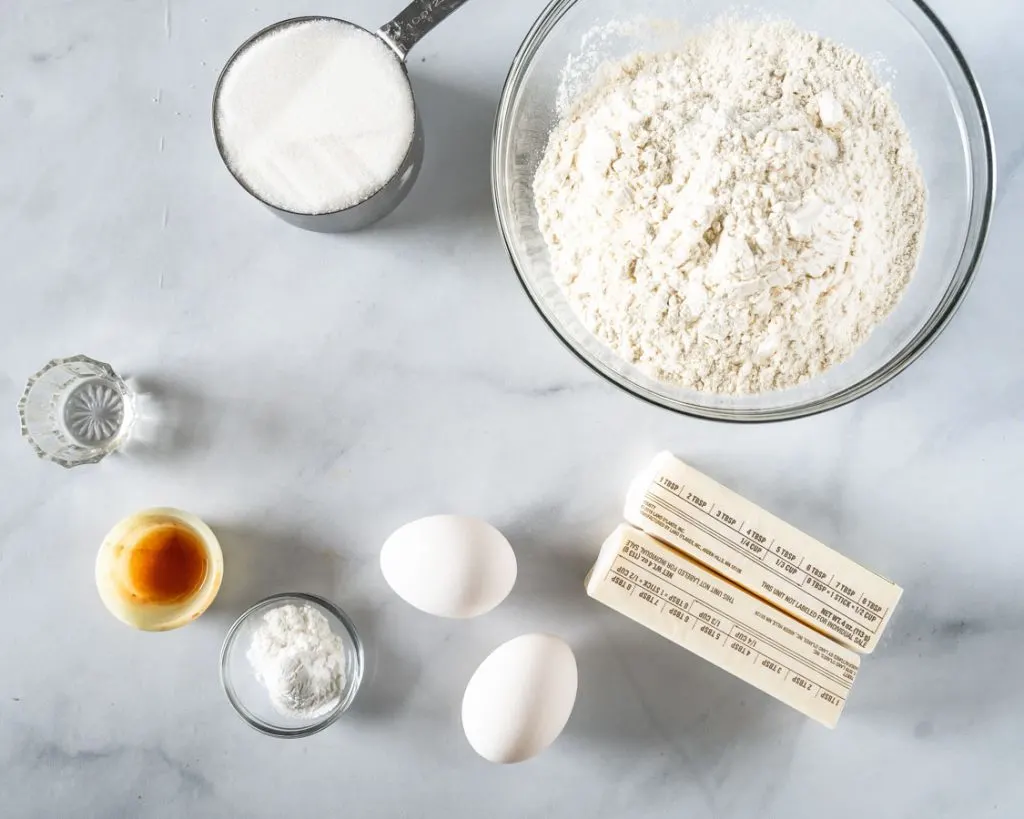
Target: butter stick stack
723,578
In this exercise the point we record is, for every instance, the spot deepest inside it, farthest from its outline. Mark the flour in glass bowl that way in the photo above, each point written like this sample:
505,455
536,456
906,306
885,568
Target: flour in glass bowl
736,215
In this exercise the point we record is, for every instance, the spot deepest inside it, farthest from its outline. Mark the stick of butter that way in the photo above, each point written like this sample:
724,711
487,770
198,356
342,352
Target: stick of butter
763,554
697,609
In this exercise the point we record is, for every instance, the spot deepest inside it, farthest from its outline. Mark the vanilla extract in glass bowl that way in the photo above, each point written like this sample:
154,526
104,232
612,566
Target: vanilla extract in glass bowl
159,569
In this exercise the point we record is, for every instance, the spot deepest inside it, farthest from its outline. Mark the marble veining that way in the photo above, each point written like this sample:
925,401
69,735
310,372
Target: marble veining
308,394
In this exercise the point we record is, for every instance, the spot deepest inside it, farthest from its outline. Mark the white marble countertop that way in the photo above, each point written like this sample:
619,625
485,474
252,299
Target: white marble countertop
325,389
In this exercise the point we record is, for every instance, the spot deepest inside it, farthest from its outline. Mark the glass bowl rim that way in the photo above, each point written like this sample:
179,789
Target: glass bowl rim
913,349
329,718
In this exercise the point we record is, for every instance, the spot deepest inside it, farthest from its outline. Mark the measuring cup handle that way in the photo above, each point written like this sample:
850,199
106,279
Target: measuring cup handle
414,22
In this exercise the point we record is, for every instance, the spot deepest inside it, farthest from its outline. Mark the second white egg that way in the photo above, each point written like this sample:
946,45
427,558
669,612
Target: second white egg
449,565
520,698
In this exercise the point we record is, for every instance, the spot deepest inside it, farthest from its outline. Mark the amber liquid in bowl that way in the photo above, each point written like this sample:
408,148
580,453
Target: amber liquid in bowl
159,569
167,564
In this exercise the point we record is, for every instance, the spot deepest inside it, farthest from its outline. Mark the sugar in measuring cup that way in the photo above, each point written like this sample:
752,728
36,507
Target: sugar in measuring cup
315,117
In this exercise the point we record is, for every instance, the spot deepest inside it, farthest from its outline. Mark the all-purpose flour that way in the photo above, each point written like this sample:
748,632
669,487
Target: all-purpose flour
316,116
735,216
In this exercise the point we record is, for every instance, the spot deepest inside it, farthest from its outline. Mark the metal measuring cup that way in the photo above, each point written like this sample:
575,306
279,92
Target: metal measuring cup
400,35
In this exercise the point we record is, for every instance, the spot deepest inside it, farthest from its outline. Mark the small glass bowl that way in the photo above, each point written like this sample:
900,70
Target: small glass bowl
250,698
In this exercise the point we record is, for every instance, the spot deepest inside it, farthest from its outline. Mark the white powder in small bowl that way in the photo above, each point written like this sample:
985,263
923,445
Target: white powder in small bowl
299,660
315,116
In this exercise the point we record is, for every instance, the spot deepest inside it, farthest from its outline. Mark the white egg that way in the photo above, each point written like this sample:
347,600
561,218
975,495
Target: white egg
449,565
520,698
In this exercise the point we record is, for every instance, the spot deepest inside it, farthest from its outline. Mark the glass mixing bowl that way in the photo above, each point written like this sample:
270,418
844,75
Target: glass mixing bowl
941,105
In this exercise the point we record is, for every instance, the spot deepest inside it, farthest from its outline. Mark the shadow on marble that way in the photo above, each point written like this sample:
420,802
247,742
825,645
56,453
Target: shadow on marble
972,679
643,696
389,678
551,578
266,560
554,556
453,191
170,420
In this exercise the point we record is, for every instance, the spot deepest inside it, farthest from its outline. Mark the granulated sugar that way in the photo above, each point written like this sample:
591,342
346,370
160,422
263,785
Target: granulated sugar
316,116
736,215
